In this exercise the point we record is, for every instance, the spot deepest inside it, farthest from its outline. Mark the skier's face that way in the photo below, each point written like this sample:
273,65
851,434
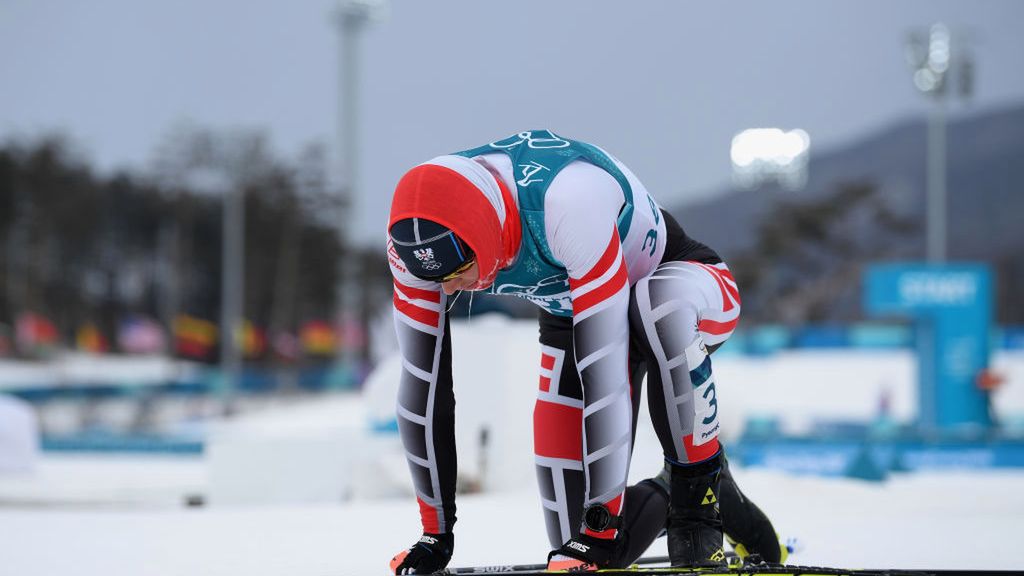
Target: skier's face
463,281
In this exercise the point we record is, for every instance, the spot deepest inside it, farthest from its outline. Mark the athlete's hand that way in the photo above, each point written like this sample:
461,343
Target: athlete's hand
431,553
583,553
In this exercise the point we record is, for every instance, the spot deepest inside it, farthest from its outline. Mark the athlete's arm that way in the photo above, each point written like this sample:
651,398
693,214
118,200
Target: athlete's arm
580,221
426,401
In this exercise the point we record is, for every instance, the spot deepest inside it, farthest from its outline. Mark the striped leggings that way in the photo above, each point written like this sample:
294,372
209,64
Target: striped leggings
678,314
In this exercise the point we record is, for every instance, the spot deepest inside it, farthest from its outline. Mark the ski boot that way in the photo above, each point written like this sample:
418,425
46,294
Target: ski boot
747,529
694,522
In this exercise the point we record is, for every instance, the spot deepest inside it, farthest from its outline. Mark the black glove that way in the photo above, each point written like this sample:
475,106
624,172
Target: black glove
591,554
428,555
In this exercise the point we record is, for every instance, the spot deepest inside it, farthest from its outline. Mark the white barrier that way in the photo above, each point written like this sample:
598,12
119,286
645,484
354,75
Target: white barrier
19,435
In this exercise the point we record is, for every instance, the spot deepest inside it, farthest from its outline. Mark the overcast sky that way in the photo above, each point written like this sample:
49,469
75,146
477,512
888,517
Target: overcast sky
662,84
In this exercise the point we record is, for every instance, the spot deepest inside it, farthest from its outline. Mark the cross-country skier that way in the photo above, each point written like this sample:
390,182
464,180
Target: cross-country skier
624,292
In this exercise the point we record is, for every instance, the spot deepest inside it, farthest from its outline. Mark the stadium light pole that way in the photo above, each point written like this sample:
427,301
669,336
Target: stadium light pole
932,57
232,287
350,18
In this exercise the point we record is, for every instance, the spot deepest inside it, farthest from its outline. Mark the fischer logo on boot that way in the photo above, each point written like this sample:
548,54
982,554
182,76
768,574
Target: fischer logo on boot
709,498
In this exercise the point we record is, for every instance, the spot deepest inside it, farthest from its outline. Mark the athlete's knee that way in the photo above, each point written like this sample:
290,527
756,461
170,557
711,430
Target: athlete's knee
669,301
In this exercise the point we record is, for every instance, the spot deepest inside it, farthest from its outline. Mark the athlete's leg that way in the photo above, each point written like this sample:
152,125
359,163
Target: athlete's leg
743,522
680,309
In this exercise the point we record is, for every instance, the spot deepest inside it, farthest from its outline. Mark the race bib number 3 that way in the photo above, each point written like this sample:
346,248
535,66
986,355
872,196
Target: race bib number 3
705,402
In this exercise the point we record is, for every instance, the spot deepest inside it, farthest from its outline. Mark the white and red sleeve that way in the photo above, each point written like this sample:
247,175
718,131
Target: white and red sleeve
426,403
581,208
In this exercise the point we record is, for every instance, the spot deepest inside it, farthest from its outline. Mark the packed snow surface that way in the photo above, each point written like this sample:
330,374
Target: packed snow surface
925,520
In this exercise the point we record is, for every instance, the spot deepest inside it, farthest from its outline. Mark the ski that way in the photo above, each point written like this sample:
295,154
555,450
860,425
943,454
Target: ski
643,568
658,566
793,547
636,570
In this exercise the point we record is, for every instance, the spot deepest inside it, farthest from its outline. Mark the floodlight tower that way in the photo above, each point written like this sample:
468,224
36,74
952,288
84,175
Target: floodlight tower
232,288
215,182
933,55
350,18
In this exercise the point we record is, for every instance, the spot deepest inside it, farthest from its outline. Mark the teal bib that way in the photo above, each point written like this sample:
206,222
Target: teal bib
537,157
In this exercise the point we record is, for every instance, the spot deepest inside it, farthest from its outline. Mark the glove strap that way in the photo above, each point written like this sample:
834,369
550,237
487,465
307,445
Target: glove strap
588,549
439,542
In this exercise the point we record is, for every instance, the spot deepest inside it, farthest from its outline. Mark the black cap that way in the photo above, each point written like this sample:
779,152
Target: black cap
429,250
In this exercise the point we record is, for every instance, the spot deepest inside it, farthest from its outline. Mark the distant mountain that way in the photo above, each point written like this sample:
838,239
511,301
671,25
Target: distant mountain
985,183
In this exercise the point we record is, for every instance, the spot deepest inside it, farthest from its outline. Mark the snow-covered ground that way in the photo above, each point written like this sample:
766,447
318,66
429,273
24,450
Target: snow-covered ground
117,515
961,520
